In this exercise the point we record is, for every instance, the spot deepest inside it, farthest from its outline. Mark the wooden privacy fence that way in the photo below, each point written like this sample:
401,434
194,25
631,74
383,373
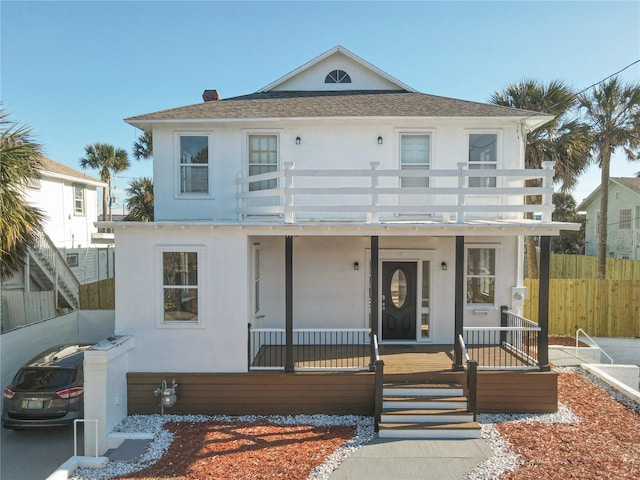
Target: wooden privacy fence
580,266
603,308
98,295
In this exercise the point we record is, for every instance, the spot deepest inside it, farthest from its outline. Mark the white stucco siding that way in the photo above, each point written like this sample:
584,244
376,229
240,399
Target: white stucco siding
330,144
218,342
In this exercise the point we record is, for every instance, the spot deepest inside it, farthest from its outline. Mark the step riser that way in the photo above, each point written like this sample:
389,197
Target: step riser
430,434
423,392
426,418
434,405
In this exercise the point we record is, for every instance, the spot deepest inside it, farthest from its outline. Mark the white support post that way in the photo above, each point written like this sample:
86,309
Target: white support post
240,201
373,215
289,216
547,198
461,186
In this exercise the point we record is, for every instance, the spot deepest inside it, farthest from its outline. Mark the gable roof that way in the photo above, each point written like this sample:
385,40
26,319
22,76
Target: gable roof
631,183
338,49
396,99
53,169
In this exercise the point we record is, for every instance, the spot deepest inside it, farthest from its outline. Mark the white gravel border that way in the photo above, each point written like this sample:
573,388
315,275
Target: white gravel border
162,439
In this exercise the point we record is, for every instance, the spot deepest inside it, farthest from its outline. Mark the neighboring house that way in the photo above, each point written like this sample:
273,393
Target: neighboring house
69,199
335,207
67,252
623,232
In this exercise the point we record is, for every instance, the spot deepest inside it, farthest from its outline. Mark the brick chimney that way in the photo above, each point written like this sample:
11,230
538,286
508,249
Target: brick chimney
210,95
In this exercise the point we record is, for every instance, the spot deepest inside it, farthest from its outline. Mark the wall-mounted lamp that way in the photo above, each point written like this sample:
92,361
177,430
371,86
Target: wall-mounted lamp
297,140
356,266
379,140
443,265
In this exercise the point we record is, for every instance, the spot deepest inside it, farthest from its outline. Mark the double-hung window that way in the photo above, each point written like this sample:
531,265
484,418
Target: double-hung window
483,155
194,164
481,275
625,219
180,286
414,155
263,158
78,200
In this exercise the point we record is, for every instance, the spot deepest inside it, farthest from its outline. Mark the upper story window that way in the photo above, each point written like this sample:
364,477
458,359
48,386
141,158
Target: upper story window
625,219
78,200
414,155
483,155
194,164
73,259
263,158
337,76
481,275
180,286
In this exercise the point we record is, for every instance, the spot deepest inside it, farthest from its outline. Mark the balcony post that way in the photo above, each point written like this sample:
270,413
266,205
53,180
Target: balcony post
461,186
288,363
289,216
543,304
504,323
460,294
240,201
373,216
547,198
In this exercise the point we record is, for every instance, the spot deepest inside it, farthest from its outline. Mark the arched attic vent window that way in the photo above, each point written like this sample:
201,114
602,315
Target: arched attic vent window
337,76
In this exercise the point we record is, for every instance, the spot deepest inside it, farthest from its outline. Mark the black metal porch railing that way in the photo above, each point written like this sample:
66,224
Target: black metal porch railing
512,346
313,349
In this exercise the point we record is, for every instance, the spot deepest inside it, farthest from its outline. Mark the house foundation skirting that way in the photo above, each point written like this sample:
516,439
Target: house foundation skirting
335,393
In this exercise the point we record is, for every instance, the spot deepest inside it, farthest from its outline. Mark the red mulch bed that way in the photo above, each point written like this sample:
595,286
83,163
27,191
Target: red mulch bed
565,341
214,450
605,444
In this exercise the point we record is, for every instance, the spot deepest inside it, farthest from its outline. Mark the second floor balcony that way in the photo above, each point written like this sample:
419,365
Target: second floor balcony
377,196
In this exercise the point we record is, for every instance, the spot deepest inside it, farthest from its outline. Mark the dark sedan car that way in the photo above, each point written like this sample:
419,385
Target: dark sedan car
48,391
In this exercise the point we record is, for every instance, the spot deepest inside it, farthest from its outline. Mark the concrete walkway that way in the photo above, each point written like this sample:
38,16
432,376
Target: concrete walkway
385,459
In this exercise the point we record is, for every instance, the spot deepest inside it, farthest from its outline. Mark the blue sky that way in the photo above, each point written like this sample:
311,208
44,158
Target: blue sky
73,70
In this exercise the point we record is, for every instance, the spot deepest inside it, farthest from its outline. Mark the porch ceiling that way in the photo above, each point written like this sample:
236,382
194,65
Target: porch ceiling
399,228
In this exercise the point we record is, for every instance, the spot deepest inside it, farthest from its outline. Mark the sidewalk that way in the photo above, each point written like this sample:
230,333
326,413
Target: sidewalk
385,459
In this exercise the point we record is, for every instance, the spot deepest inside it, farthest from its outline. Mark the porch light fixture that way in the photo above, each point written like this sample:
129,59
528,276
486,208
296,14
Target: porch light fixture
297,140
356,266
379,140
443,265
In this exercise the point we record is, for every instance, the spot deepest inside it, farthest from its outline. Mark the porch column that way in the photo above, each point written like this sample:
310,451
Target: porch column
543,304
373,325
288,282
459,303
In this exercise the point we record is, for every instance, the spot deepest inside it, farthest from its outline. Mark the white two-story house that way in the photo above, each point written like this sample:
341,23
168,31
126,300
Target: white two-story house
332,216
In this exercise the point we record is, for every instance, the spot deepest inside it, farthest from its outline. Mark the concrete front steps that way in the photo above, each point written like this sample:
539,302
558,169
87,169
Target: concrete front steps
426,411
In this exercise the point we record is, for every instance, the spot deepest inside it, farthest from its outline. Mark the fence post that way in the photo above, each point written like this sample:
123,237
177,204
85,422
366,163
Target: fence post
379,385
504,323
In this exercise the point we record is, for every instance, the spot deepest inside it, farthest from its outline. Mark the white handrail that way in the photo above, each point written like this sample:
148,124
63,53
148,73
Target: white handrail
595,344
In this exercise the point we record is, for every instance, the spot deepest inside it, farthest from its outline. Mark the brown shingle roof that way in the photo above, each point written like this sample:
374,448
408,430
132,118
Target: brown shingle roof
333,104
55,167
632,183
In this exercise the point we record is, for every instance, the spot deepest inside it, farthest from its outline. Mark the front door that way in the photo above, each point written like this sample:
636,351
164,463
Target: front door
399,291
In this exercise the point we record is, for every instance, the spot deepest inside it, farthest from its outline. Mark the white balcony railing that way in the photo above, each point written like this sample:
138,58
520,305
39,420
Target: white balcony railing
375,195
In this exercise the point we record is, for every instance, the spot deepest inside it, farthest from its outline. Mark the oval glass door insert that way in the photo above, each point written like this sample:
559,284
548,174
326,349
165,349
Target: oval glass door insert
398,288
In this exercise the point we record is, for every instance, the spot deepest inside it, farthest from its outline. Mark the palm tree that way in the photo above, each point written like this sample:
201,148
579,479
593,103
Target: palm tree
109,161
143,147
613,112
140,201
563,140
20,165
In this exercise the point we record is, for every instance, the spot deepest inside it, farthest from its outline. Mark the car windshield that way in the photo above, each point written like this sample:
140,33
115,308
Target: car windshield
44,378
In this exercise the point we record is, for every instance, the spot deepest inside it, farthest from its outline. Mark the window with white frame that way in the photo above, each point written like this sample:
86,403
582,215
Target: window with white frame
483,155
72,259
263,158
625,219
180,286
194,164
78,200
414,155
481,275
